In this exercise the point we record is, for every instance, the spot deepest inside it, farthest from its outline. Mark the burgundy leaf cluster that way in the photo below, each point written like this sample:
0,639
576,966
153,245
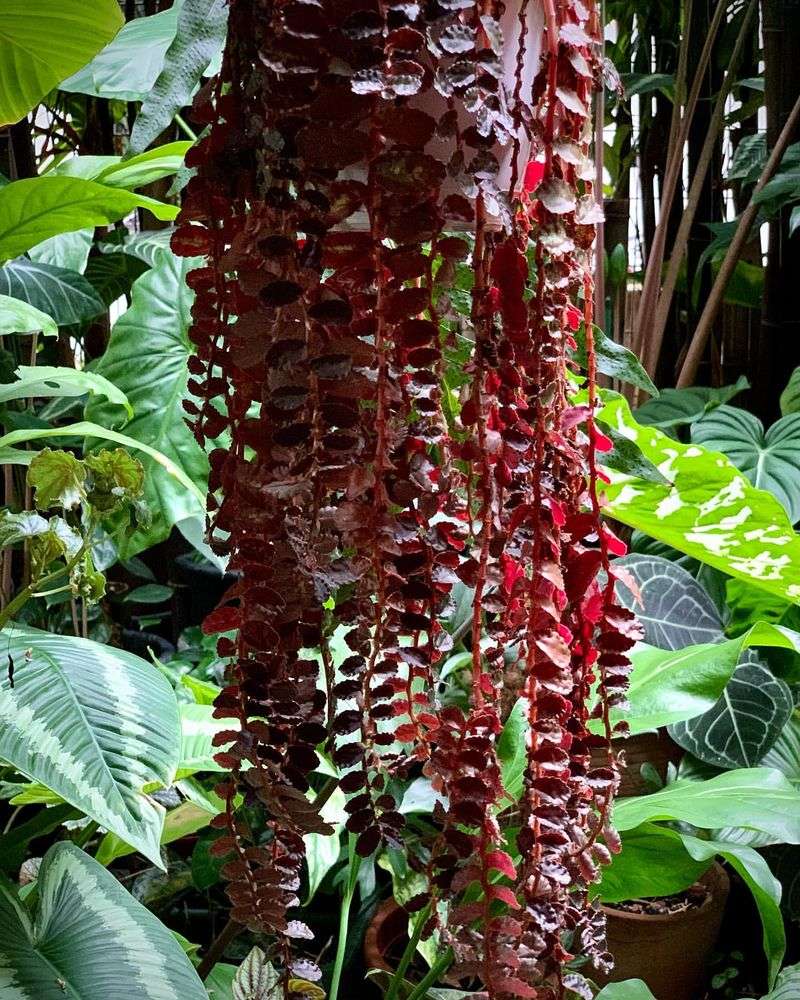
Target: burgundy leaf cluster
358,153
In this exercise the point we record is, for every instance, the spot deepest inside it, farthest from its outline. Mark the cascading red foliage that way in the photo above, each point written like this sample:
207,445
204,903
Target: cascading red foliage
352,160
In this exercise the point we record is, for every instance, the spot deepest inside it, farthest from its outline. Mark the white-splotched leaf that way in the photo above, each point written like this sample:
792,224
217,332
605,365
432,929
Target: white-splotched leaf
675,609
94,724
65,295
88,940
745,722
256,979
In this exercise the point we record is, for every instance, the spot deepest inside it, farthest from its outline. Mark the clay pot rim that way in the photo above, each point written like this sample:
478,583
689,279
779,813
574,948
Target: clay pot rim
717,881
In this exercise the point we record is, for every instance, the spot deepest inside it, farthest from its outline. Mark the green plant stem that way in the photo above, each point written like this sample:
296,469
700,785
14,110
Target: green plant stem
408,954
344,917
441,965
185,128
86,834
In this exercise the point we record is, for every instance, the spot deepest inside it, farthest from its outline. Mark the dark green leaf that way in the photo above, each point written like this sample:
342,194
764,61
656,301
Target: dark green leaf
65,295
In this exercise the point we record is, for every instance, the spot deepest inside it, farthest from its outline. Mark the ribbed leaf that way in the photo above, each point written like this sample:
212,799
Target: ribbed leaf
787,986
675,609
678,407
771,460
43,41
45,381
88,940
65,295
95,725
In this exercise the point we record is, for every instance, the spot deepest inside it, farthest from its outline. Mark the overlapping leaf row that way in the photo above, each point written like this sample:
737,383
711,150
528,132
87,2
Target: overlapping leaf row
347,143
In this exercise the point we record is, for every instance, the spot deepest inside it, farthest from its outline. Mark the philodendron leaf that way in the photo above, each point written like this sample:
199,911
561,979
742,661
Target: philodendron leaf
64,295
199,38
88,938
754,798
676,408
708,509
744,723
790,397
94,724
17,316
44,381
67,250
37,208
675,609
43,41
132,173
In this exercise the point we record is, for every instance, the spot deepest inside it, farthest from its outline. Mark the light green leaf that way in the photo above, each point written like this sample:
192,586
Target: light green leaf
68,250
20,317
322,850
17,527
204,692
95,725
37,208
710,511
43,41
44,381
511,750
65,949
199,39
127,68
754,798
198,729
147,245
57,479
787,986
182,821
64,295
220,981
630,989
132,173
158,317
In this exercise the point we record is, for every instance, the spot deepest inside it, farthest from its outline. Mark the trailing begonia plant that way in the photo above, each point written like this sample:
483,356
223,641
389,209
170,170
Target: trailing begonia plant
358,157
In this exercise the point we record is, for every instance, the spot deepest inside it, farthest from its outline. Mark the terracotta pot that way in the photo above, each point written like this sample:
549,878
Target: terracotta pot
669,952
387,929
654,748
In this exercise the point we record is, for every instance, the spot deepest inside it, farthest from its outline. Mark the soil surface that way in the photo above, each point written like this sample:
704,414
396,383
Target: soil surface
689,899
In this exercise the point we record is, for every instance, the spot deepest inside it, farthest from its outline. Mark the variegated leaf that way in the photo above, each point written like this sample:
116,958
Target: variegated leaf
93,724
88,940
256,979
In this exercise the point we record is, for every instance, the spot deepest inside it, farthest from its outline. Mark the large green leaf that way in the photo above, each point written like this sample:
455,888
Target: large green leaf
784,755
708,510
93,724
771,460
630,989
132,173
45,382
754,798
127,68
156,327
790,397
199,38
787,986
89,939
673,607
653,862
615,360
680,407
198,729
20,317
43,41
68,250
35,209
65,295
745,722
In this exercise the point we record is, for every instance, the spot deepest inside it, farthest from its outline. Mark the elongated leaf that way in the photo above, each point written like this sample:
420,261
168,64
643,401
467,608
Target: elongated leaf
35,209
745,722
65,295
770,461
755,798
43,41
182,821
21,317
710,511
199,38
675,610
159,318
44,381
615,360
95,725
679,407
131,173
322,850
126,69
88,939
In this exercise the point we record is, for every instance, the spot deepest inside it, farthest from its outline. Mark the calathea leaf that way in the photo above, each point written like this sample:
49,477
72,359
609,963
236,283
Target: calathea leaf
17,316
771,460
43,42
675,610
94,724
88,938
65,295
745,722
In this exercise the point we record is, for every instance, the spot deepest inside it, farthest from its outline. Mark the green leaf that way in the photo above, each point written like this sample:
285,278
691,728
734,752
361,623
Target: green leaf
198,729
132,173
220,981
182,821
770,461
511,750
754,798
710,510
127,68
204,692
43,41
112,277
147,245
95,725
149,593
199,39
67,250
784,755
748,159
322,850
256,979
787,986
57,479
626,457
158,317
614,360
20,317
790,397
37,208
43,381
19,527
678,407
63,949
673,607
653,862
64,295
630,989
766,890
745,722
